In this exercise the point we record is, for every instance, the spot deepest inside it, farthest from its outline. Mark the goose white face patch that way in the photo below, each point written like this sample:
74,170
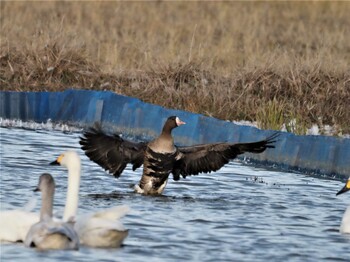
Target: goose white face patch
179,122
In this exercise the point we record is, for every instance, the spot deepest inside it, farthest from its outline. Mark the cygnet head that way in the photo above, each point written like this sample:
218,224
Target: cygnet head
68,159
46,182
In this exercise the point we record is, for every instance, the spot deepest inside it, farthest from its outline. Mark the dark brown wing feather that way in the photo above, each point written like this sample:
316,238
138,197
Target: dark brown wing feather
112,153
211,157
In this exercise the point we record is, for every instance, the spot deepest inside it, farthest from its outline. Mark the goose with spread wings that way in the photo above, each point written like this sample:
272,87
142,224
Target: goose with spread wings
160,157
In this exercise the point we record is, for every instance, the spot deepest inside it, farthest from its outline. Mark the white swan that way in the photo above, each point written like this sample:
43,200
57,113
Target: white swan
15,224
345,223
47,233
99,229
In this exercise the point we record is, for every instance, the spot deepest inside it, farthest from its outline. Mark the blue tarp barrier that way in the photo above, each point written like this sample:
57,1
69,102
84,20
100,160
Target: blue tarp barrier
312,154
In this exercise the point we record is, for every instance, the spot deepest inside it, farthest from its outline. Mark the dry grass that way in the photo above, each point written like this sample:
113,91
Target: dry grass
270,62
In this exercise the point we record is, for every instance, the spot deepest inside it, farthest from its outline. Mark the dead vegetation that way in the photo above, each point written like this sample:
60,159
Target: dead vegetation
277,63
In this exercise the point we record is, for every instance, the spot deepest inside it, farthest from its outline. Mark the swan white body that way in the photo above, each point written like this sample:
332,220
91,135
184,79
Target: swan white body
15,224
345,223
49,234
99,229
102,229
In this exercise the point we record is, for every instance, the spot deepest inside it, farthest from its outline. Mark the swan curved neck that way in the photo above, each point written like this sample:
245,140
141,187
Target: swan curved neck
46,204
72,200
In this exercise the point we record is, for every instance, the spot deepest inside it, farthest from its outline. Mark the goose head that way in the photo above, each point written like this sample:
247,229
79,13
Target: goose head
176,119
171,123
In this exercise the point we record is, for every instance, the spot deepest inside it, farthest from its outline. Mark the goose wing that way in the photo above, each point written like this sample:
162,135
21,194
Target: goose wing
112,153
206,158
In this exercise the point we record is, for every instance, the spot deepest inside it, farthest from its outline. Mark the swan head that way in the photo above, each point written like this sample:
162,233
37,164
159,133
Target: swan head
68,159
345,188
46,182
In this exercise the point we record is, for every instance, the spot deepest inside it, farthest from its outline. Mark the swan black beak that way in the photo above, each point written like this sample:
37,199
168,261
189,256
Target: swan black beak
36,189
55,163
345,188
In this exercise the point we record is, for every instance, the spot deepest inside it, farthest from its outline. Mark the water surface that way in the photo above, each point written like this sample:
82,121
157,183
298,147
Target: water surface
241,213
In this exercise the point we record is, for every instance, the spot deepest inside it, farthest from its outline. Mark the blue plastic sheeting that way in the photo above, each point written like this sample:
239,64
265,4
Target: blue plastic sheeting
312,154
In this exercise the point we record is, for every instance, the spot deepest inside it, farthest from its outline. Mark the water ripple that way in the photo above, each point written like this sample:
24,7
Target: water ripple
241,213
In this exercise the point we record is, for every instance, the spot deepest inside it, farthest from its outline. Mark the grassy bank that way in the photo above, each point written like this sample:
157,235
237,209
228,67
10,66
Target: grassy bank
273,62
